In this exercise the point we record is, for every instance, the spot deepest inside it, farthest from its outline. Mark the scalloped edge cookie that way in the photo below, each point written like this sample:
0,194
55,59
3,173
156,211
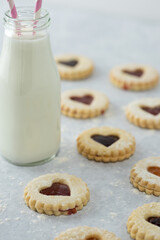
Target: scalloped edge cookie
82,70
118,151
142,179
56,205
148,80
84,233
141,118
76,109
139,228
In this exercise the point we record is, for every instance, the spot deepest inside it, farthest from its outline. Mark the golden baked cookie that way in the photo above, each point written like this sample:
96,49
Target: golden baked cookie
134,77
74,67
83,103
144,113
144,222
86,233
56,194
106,144
145,175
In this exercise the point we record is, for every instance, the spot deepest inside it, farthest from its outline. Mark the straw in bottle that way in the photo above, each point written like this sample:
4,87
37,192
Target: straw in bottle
37,11
13,9
14,13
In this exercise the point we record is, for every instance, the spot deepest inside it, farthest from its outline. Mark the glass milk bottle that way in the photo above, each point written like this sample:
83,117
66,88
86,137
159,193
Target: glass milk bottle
29,91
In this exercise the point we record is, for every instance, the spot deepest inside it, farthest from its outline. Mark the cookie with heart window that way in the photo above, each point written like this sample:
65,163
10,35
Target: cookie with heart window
145,175
86,233
74,67
58,194
144,113
134,77
144,222
106,144
83,103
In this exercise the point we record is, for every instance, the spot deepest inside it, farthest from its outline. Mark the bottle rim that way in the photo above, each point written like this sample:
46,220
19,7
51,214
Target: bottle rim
25,21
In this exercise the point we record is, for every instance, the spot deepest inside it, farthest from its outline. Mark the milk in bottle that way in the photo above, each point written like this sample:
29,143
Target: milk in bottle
29,91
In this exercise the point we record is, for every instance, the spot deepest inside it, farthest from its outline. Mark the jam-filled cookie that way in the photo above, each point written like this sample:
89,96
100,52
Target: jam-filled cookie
106,144
56,194
73,67
134,77
83,103
145,175
86,233
144,113
144,222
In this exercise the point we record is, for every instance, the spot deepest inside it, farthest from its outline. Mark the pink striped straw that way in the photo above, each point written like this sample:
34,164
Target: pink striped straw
37,11
13,9
14,13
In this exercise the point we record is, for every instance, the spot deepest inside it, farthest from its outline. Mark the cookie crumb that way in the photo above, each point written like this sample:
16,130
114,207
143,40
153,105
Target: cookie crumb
113,214
135,191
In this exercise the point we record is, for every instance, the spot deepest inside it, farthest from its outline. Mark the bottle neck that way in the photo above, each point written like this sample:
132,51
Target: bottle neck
25,26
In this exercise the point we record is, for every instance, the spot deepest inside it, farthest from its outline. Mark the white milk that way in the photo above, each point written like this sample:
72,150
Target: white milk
29,100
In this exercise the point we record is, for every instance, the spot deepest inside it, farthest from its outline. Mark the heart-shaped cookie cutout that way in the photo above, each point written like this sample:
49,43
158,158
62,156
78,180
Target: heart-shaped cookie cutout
154,220
154,170
152,110
137,72
70,63
57,189
105,140
86,99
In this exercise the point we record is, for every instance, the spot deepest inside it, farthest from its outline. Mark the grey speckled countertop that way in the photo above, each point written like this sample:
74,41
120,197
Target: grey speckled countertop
108,40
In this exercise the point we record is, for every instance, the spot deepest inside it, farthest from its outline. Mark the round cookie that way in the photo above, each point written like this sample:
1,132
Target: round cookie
145,175
86,233
83,103
74,67
144,113
144,222
56,194
106,144
134,77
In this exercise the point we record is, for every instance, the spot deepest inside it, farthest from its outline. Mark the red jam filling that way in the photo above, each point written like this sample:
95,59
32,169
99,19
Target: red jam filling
154,170
70,63
152,110
93,238
154,220
105,140
125,87
59,189
102,112
69,211
56,189
86,99
137,72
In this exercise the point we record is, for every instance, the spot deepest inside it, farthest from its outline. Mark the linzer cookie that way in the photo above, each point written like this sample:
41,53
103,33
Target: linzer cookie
144,222
145,175
83,103
86,233
56,194
106,144
144,113
73,67
134,77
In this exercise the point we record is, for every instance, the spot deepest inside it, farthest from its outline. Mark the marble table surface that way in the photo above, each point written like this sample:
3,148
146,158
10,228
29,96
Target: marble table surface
108,41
